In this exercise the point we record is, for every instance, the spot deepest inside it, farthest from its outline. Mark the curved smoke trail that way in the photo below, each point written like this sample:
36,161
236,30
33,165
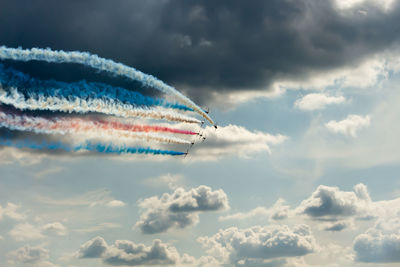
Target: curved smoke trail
35,88
112,107
99,63
76,126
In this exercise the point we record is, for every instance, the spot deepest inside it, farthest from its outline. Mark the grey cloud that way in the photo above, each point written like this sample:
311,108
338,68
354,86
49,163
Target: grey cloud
261,263
93,248
207,46
379,244
336,227
28,254
331,203
179,209
238,245
127,253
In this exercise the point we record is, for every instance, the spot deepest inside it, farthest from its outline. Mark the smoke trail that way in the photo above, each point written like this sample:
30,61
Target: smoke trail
88,146
142,128
111,107
99,63
35,88
77,126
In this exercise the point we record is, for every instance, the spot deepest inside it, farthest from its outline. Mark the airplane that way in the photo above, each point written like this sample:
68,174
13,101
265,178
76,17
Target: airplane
187,152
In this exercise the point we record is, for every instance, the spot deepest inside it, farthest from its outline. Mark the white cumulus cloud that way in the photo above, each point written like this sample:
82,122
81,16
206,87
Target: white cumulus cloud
234,140
317,101
235,245
349,126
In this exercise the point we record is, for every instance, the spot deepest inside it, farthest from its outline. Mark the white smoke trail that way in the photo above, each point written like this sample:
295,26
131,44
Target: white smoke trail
99,63
77,105
87,128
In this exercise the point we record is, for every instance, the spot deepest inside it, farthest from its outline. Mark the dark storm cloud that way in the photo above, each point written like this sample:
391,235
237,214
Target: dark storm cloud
213,45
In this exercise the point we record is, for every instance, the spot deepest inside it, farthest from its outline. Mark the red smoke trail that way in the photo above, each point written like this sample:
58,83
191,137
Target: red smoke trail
141,128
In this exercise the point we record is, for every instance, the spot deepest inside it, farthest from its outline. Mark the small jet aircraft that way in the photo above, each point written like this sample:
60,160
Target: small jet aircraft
187,152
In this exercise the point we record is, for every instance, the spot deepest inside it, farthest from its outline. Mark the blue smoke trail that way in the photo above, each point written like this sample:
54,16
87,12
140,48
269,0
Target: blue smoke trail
95,147
35,88
99,63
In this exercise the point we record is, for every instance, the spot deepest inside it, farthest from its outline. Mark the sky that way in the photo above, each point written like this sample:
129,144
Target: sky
302,170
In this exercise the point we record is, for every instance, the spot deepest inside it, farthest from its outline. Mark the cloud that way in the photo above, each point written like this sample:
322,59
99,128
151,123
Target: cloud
100,197
55,228
235,245
25,232
115,204
254,213
179,209
278,211
317,101
93,248
127,253
351,4
349,126
11,212
379,244
337,226
331,203
98,227
171,180
194,34
233,140
30,255
10,155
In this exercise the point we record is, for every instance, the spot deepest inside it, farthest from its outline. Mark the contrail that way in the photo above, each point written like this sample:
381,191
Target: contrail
116,108
99,63
34,88
77,126
88,146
